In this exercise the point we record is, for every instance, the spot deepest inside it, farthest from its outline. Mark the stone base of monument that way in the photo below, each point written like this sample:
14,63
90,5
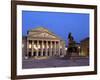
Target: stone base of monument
74,54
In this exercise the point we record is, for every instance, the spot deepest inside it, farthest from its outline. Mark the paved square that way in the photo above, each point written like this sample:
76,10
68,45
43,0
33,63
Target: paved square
54,62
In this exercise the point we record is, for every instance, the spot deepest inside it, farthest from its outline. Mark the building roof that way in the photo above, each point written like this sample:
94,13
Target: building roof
42,30
85,39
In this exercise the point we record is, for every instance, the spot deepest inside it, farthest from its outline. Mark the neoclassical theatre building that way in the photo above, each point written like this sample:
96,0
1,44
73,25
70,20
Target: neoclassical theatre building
41,42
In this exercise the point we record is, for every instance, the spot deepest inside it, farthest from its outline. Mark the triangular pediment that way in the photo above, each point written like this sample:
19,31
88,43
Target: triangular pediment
41,33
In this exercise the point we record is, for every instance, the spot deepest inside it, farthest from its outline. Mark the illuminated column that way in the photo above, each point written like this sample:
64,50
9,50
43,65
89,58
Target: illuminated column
50,48
37,48
27,47
55,47
42,49
46,48
32,48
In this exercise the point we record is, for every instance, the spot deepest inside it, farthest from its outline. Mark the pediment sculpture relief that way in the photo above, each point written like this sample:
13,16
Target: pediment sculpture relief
44,35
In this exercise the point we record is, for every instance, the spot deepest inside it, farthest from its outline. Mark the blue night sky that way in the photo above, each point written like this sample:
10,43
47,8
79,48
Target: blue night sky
57,22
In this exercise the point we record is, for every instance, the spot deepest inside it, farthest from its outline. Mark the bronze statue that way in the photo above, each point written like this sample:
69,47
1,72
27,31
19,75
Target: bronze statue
71,46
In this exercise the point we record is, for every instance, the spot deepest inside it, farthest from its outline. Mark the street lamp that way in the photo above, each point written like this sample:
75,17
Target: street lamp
66,49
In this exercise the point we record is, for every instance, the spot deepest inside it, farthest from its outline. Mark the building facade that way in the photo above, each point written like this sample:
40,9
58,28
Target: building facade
41,42
84,44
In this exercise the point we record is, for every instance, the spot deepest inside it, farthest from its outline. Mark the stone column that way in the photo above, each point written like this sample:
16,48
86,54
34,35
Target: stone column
27,47
46,48
55,47
59,47
50,48
32,48
37,48
42,48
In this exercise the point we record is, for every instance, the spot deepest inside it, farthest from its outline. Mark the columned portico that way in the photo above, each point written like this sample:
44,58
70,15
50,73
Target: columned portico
43,44
43,47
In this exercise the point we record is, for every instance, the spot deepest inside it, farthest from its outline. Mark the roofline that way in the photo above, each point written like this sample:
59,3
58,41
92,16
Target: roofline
46,31
87,38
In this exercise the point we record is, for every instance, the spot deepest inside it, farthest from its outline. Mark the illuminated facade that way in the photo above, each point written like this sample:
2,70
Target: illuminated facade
42,42
84,44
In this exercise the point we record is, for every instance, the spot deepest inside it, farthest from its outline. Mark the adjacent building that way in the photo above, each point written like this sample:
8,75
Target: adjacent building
84,47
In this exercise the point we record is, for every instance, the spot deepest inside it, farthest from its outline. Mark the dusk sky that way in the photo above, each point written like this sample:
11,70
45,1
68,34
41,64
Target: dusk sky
57,22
